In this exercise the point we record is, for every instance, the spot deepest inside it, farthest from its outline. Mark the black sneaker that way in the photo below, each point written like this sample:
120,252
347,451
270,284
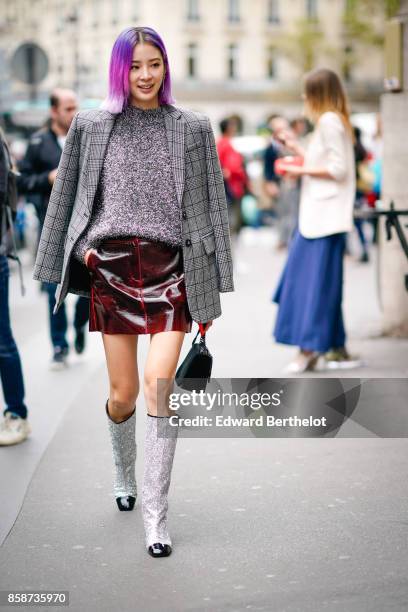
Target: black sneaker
59,359
79,343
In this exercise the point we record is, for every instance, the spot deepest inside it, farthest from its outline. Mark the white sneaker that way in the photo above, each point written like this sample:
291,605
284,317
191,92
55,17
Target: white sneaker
340,359
13,429
347,364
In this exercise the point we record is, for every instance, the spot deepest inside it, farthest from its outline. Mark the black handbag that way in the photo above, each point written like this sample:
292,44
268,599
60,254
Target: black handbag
195,371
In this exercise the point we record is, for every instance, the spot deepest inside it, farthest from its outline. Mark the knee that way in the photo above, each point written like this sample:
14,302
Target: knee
123,397
156,390
150,388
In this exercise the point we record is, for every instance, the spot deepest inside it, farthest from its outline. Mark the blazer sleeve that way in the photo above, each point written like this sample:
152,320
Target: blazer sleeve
50,254
218,213
334,138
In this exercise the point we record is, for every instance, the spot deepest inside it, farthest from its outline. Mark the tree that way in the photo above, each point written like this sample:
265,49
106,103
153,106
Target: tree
388,8
359,29
303,45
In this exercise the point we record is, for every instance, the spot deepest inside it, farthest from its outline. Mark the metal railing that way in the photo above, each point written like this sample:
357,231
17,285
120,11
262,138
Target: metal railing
392,220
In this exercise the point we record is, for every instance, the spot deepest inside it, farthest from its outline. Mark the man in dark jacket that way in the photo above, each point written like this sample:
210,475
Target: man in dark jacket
38,171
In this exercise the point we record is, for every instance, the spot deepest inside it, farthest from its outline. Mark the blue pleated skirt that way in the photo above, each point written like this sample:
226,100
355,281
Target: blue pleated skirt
309,294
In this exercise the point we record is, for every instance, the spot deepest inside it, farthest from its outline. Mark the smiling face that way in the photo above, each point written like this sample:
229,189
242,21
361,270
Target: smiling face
145,76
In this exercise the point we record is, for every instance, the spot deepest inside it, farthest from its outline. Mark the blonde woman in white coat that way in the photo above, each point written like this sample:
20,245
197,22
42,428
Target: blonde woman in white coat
309,293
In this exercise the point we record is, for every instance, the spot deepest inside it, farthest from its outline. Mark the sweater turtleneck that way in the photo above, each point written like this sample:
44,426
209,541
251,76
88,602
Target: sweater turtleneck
136,112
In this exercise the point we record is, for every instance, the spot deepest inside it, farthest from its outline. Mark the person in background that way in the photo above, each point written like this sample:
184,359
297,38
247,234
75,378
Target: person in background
38,170
235,176
14,428
309,293
283,191
300,127
360,156
376,168
271,154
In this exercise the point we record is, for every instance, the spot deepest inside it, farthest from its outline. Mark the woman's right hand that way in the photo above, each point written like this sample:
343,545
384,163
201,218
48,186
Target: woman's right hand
288,139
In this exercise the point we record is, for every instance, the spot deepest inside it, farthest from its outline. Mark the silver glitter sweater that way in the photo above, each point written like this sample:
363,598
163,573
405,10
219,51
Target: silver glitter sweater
136,195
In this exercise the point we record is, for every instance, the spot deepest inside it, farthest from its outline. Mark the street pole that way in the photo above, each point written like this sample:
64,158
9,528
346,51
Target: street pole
392,262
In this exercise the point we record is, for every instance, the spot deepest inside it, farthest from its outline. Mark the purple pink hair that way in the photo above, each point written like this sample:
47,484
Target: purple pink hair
120,64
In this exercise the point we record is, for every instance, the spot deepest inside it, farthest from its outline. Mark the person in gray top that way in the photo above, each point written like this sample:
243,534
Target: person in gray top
138,220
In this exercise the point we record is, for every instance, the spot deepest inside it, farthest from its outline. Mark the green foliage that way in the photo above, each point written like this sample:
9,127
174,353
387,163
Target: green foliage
388,8
303,45
306,43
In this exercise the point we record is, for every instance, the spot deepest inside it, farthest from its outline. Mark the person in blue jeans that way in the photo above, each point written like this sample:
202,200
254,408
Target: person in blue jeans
59,325
38,170
15,427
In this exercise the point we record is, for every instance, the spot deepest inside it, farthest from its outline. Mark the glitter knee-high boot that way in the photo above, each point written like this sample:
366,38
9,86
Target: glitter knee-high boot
124,455
160,446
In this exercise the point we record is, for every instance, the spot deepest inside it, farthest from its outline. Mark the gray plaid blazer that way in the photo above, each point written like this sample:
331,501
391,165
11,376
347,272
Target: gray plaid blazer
200,192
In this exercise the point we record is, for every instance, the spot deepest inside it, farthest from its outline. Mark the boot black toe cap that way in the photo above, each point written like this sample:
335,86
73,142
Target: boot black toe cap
159,550
126,503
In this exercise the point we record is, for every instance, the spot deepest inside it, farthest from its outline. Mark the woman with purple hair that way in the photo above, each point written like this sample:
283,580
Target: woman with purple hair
138,220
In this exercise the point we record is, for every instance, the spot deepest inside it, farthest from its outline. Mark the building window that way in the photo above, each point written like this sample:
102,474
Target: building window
95,13
311,9
192,61
232,61
192,10
233,11
11,12
59,24
273,11
135,9
348,63
271,63
116,8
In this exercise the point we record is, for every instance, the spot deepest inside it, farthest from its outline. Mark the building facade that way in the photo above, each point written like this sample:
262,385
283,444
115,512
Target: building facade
244,57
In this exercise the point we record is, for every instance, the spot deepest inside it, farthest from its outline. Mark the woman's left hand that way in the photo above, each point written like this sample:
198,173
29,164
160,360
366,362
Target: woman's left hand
204,327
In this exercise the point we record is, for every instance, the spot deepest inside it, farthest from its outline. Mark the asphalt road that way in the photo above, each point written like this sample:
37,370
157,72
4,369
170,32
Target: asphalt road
257,524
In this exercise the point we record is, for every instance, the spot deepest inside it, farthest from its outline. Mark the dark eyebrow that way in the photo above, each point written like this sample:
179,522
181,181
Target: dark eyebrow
150,60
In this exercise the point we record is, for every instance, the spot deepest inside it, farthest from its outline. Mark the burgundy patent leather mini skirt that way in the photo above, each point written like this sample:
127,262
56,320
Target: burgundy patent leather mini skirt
137,287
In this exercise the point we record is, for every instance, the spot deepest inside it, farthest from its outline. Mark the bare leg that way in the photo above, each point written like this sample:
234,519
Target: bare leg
161,363
121,361
160,441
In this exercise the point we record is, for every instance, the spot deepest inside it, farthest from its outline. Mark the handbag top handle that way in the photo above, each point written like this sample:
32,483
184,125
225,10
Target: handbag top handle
201,328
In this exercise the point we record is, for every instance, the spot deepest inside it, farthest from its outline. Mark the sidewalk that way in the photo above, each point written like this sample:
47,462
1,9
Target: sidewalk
284,524
249,317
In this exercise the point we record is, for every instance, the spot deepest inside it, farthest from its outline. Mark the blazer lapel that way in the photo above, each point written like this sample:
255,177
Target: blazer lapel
99,140
175,138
